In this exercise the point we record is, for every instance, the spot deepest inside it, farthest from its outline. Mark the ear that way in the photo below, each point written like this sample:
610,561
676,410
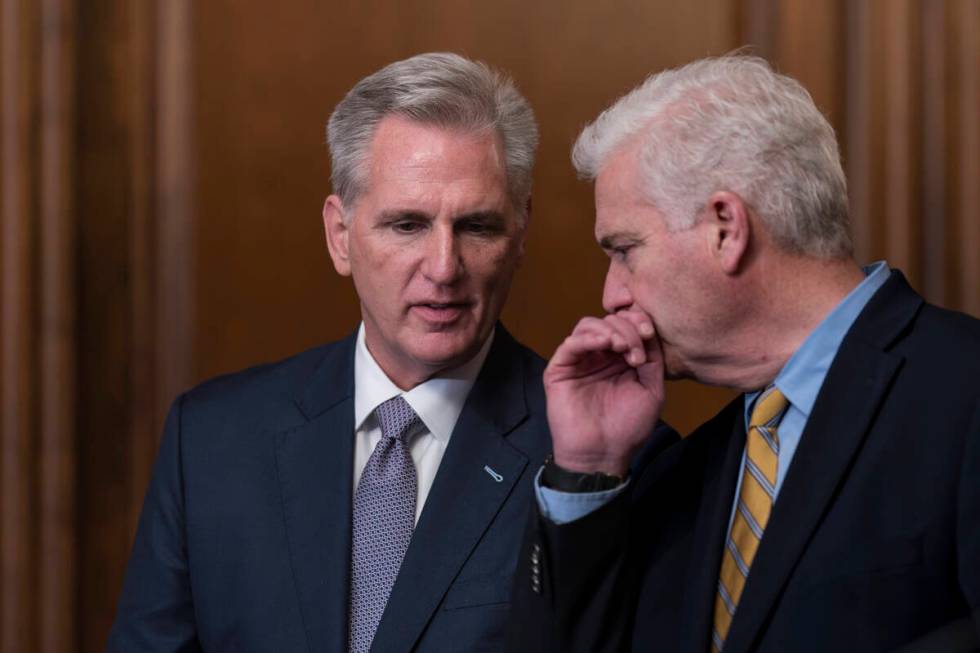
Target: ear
729,230
337,233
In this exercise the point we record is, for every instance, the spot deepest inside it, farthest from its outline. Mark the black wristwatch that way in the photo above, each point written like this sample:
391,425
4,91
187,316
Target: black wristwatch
565,480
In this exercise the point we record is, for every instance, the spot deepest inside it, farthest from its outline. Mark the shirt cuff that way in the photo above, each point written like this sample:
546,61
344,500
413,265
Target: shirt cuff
564,507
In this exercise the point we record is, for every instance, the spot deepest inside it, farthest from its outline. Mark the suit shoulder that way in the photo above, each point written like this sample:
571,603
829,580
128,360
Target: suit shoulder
511,351
533,365
261,377
963,329
670,460
949,338
514,378
678,450
262,390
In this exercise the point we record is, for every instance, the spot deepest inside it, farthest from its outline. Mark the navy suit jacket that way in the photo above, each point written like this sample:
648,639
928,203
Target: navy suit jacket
873,543
245,535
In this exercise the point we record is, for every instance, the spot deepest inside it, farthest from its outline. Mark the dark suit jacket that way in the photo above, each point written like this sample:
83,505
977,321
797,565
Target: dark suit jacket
873,543
245,536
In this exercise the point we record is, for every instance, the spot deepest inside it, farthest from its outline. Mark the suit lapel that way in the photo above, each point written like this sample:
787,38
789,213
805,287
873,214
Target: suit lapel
464,498
856,385
315,477
723,460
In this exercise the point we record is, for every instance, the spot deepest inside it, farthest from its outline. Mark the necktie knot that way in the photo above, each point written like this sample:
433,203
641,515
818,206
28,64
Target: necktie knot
769,408
397,418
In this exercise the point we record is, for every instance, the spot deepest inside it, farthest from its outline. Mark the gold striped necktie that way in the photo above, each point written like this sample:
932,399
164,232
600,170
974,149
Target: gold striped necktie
752,512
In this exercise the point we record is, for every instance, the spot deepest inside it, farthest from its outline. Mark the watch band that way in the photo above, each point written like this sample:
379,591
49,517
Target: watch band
556,477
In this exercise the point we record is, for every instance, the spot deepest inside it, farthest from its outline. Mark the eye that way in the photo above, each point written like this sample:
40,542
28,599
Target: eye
478,227
407,227
620,253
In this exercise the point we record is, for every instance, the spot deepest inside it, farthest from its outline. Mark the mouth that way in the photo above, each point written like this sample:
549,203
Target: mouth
441,312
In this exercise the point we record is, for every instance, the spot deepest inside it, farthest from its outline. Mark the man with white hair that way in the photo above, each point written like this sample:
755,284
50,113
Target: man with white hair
835,504
368,494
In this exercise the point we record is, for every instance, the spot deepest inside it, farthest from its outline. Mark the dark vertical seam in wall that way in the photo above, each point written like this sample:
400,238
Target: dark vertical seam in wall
57,578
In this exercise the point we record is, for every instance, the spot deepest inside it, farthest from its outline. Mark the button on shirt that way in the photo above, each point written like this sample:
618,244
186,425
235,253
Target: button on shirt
438,403
799,380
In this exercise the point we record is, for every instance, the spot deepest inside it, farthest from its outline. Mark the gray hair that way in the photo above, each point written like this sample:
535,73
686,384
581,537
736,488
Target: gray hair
730,123
440,89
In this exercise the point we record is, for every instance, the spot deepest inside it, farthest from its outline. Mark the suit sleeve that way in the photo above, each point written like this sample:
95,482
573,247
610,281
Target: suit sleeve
155,611
969,520
571,591
576,585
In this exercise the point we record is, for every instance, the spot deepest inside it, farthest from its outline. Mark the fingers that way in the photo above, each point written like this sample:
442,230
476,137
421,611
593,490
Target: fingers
628,333
626,339
640,320
579,345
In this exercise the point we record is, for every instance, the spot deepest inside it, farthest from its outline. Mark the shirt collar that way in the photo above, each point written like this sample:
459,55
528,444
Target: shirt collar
437,401
803,374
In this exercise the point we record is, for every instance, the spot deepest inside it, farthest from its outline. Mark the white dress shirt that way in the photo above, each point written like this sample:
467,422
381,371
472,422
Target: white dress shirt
438,403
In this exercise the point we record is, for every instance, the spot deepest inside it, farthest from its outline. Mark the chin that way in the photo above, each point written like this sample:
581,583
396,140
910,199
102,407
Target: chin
448,355
449,342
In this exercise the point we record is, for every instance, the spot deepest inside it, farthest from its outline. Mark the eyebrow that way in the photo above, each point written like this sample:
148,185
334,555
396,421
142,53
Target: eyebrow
391,215
611,241
490,217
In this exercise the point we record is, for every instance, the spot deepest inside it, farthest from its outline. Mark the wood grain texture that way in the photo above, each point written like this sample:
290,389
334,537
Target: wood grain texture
17,342
142,260
175,180
933,211
56,590
901,151
808,39
759,26
113,191
967,83
856,133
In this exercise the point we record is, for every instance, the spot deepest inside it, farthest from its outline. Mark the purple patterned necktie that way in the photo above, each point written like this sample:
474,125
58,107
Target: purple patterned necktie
384,518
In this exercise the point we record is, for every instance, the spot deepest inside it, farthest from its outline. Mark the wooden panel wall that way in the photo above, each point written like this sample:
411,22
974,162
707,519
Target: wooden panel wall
95,193
898,80
134,178
911,135
37,357
162,169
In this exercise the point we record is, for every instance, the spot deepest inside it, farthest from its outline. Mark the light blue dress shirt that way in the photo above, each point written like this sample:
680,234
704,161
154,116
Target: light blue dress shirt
800,381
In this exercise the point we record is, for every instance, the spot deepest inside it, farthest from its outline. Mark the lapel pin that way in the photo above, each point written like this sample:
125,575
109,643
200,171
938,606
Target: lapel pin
494,475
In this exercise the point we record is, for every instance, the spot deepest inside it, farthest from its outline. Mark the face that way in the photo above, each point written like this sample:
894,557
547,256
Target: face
664,273
432,244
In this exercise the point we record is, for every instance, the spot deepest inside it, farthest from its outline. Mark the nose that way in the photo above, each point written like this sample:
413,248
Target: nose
615,292
443,262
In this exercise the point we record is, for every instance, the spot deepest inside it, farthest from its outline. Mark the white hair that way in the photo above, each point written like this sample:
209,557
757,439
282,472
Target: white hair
730,124
440,89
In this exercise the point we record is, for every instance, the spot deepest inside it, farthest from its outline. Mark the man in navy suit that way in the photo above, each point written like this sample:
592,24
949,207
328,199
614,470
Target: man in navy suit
835,504
368,494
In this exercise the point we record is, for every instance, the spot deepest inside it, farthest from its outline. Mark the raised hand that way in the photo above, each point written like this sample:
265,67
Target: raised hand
605,388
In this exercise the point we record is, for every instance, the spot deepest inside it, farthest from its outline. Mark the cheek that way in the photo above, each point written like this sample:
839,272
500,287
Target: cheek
497,268
382,267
